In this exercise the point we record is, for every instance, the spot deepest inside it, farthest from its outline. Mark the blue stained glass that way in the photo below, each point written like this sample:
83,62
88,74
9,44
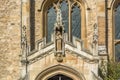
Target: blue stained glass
51,21
64,10
117,52
117,23
76,22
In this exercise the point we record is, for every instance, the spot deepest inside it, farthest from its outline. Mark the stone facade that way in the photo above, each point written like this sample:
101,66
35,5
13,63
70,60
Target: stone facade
24,53
10,39
75,58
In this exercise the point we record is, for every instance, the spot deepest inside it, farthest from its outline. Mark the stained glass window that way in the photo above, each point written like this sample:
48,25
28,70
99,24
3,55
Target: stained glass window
51,21
64,10
117,23
76,22
75,17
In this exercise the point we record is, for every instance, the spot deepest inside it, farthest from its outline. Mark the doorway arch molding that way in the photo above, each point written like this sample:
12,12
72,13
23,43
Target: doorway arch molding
60,69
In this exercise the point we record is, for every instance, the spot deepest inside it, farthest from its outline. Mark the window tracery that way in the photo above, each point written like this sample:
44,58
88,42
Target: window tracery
76,22
50,22
71,21
64,10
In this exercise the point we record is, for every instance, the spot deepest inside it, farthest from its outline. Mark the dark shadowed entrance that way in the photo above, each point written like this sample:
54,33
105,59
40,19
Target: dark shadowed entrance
60,77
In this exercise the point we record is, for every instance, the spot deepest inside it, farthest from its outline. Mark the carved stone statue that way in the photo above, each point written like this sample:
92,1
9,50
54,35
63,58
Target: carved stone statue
59,31
59,38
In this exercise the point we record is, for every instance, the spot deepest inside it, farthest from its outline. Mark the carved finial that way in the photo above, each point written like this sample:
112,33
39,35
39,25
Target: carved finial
23,36
59,17
95,35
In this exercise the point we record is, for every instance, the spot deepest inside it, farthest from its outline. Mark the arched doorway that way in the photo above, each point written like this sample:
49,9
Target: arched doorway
60,77
60,72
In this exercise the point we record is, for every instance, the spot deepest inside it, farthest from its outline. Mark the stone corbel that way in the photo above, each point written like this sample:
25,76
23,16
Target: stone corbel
59,56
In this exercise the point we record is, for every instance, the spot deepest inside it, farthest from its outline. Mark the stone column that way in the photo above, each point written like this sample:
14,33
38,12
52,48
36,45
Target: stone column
25,36
25,12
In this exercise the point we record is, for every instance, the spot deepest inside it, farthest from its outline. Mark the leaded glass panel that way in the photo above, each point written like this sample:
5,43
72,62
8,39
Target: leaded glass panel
117,52
76,22
64,10
51,21
75,18
117,23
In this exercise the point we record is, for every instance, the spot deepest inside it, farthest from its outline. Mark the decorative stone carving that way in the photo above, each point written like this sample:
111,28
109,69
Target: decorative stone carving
24,54
59,57
59,38
23,41
95,40
24,45
102,50
59,35
95,35
103,67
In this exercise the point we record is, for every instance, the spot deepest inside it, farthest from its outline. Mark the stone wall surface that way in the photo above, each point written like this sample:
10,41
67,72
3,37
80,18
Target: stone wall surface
10,34
38,21
101,30
71,60
9,39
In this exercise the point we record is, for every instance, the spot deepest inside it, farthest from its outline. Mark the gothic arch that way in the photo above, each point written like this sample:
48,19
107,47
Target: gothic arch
112,6
46,4
60,69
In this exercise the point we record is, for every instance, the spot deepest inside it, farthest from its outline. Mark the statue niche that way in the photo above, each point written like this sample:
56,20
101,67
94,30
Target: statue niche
59,35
